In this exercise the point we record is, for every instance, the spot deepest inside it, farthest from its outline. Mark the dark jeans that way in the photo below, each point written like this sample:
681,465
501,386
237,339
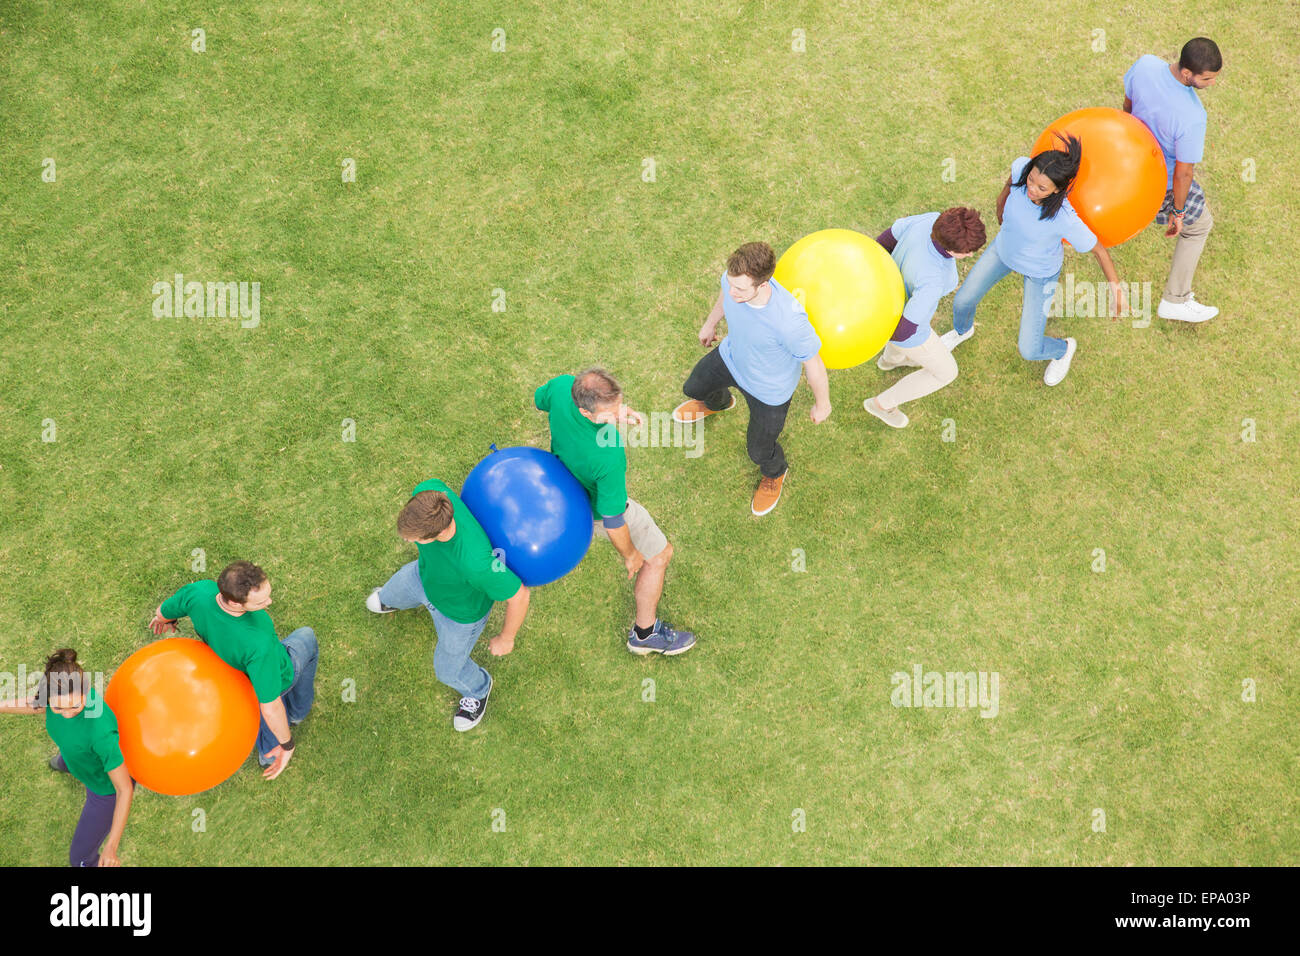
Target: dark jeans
710,382
93,827
303,653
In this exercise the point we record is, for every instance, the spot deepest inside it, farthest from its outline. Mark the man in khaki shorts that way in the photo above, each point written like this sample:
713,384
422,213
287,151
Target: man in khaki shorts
585,411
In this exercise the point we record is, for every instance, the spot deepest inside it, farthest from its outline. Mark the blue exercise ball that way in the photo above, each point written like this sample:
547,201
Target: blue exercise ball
533,509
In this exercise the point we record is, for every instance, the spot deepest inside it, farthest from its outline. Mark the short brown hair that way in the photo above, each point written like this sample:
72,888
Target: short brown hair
595,388
753,259
959,229
426,515
238,579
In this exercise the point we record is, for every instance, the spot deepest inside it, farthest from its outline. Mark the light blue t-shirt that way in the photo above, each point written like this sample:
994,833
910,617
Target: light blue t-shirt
765,348
928,275
1032,246
1171,111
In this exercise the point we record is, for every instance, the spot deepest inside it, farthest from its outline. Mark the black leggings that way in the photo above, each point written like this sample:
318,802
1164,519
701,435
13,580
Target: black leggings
710,382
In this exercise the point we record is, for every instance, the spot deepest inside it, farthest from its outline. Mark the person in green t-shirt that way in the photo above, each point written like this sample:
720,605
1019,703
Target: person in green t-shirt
584,412
457,577
229,615
85,730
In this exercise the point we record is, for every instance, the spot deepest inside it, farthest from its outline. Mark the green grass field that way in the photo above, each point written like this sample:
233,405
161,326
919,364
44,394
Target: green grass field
1120,690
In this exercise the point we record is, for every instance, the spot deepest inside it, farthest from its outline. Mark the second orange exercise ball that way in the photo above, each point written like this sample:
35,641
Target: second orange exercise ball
186,719
1122,174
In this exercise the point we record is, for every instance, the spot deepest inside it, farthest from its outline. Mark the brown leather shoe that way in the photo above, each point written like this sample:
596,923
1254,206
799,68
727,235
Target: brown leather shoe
693,410
767,494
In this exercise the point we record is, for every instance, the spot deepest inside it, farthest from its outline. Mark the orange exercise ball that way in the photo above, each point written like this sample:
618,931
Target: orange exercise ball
186,719
1122,174
851,289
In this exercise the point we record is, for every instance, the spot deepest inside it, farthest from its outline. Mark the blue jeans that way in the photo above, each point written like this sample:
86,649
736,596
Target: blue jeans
451,662
303,652
1035,344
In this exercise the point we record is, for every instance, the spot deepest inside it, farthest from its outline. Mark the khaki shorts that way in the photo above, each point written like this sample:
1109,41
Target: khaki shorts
646,536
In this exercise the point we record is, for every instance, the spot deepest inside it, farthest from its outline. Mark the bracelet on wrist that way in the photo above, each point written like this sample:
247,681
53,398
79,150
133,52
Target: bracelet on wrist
289,746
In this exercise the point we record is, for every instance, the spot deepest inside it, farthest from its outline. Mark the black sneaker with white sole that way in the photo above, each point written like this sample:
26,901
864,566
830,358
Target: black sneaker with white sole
471,710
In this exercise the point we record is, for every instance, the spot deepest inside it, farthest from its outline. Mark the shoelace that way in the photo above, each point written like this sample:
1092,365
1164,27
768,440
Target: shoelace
469,703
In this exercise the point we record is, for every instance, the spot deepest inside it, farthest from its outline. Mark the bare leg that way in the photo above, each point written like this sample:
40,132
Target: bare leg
649,587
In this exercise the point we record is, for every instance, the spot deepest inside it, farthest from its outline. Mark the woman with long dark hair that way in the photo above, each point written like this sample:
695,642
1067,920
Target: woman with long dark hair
1035,214
85,729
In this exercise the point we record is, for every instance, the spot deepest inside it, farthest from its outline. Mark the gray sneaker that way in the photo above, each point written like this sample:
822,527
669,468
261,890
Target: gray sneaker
662,640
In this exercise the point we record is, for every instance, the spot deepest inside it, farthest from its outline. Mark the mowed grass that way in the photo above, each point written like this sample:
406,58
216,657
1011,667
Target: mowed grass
1120,691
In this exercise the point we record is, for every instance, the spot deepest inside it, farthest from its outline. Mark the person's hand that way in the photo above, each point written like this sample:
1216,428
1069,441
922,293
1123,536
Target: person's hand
820,412
1175,226
501,645
633,563
1119,298
709,334
281,758
160,625
108,856
630,417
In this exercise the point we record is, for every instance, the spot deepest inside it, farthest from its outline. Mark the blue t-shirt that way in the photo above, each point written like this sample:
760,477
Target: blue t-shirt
928,275
765,348
1032,246
1171,111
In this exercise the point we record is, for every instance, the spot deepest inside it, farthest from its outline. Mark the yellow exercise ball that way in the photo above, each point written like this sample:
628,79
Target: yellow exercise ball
851,288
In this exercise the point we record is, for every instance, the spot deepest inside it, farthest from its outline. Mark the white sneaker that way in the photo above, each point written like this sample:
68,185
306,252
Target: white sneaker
374,604
894,419
1189,311
951,339
1057,368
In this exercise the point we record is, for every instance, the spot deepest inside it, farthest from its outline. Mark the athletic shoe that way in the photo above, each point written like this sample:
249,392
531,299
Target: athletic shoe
374,604
694,410
1189,311
767,494
951,339
664,639
894,419
471,710
1057,368
57,764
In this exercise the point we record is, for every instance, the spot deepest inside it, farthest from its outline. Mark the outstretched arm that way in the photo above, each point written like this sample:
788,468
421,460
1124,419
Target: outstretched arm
709,331
1002,199
516,610
24,706
819,382
162,625
1183,173
278,723
125,791
1108,268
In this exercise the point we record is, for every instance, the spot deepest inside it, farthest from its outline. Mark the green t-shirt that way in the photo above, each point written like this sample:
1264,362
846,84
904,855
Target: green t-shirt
247,643
88,743
461,577
594,453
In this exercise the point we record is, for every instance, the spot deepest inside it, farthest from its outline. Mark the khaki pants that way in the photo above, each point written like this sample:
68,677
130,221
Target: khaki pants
1187,253
938,368
646,536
